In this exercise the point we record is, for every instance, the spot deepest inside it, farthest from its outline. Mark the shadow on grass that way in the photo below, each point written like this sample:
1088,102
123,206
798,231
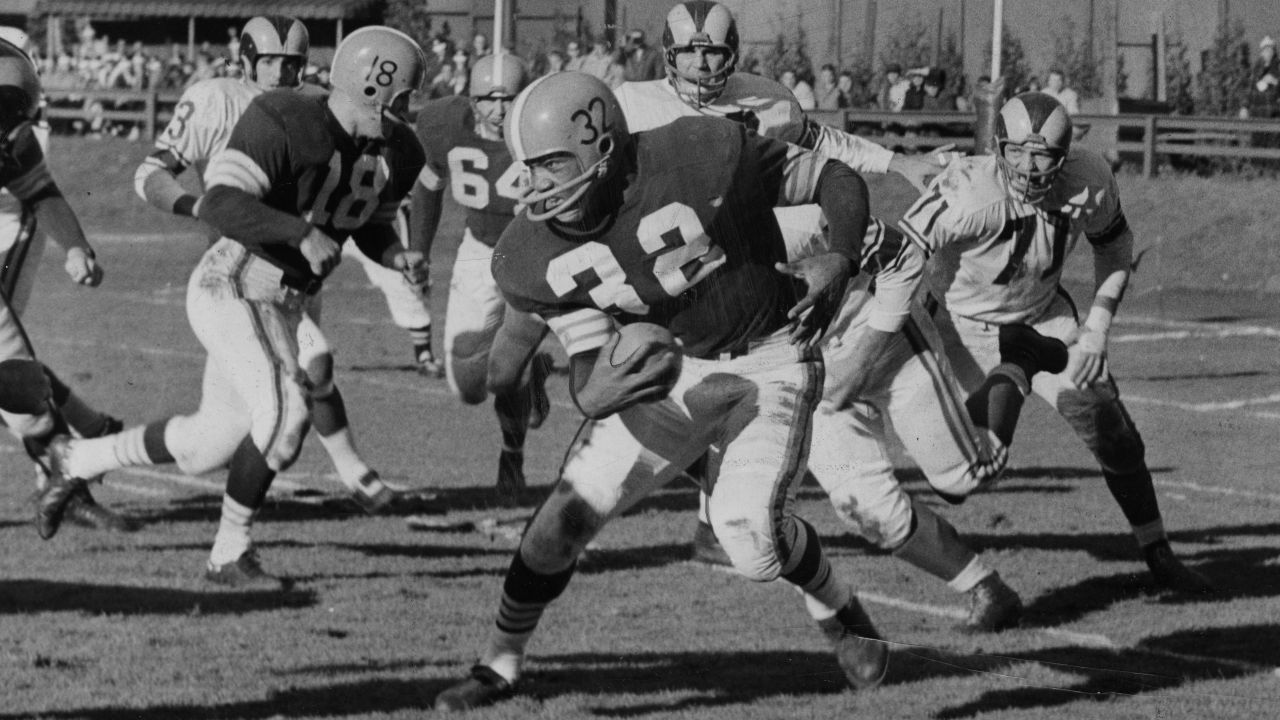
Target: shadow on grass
19,597
1156,664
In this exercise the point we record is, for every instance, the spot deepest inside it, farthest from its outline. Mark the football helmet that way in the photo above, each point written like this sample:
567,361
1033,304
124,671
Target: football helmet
497,76
272,35
705,24
1037,123
377,66
19,88
567,112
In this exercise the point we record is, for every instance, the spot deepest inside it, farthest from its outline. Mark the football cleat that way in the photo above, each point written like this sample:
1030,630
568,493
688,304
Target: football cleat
51,503
993,606
1021,345
390,501
427,363
245,573
706,548
84,510
483,687
1170,573
861,653
540,402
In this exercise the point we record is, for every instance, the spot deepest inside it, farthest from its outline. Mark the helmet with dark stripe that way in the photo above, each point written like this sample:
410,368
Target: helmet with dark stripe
700,24
272,35
1032,123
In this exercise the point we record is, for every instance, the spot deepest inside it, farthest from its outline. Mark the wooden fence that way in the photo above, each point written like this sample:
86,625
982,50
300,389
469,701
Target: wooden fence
1151,136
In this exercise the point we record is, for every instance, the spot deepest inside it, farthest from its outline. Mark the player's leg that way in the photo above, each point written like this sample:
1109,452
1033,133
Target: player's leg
607,471
764,404
1100,419
517,378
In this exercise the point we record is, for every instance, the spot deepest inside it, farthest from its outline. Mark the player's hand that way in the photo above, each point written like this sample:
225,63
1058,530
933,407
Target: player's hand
413,265
82,267
321,252
919,170
1087,358
826,275
637,379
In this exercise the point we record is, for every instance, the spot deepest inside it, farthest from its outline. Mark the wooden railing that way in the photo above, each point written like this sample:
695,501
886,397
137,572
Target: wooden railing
1150,136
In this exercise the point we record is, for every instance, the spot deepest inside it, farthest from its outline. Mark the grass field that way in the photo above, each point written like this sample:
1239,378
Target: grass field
116,627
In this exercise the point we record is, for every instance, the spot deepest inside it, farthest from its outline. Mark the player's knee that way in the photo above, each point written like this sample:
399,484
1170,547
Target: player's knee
28,426
319,371
467,366
561,529
752,550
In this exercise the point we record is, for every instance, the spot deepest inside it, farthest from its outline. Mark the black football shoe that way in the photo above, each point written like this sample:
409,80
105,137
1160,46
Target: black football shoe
51,504
483,687
861,653
993,606
84,510
1170,573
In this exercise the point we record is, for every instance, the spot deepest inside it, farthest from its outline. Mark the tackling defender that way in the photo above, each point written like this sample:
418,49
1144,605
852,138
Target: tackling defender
674,227
273,51
463,140
32,210
908,385
998,228
299,176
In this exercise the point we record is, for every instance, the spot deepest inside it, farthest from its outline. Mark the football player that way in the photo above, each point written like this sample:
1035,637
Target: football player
299,176
998,228
467,157
32,209
273,51
674,227
908,386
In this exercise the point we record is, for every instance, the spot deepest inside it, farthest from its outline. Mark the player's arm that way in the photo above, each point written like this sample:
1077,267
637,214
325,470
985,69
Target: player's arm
869,157
156,181
805,177
1112,264
379,240
425,208
514,345
35,187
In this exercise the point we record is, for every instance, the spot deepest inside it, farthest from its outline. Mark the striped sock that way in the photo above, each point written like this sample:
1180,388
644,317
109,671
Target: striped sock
824,593
139,445
232,539
421,339
525,596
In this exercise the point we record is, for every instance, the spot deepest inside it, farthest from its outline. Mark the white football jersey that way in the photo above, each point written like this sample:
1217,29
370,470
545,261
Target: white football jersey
998,259
204,118
764,105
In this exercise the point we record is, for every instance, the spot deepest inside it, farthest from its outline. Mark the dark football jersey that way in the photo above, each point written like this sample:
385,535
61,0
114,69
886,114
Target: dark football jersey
289,151
692,247
22,168
480,173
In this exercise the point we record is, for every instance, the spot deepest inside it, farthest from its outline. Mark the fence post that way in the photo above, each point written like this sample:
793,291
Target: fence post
152,108
1149,146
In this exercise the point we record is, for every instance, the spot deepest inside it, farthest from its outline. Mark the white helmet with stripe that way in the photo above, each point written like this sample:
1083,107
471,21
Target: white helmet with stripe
1037,123
265,36
700,24
566,112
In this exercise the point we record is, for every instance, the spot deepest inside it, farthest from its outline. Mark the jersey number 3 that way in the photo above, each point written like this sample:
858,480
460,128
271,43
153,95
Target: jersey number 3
683,255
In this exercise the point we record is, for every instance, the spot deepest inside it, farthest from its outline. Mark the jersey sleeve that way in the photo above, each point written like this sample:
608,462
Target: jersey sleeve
1107,223
581,329
897,266
25,174
941,216
255,160
793,169
197,120
860,154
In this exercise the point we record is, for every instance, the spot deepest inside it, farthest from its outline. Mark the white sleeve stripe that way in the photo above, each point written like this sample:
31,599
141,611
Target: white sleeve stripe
430,180
235,169
915,237
387,213
582,330
30,182
801,175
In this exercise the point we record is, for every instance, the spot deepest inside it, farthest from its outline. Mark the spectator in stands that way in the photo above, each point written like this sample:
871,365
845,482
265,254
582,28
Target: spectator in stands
616,72
1264,83
555,62
849,95
914,98
826,92
442,84
803,91
479,46
574,60
598,61
892,95
1031,85
1056,87
461,71
642,62
935,97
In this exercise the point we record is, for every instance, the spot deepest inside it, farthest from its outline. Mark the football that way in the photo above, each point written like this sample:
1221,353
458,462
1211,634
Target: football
649,341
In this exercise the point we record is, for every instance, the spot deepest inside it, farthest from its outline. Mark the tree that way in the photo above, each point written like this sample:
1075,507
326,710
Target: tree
789,51
410,17
1075,57
1223,86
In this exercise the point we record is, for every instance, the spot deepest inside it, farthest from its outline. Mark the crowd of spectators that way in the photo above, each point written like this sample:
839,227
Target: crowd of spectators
636,60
